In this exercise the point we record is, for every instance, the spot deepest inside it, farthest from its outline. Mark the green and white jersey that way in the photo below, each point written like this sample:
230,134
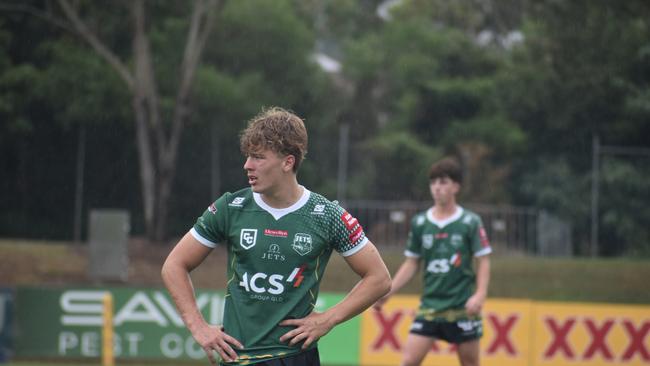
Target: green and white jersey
446,249
276,260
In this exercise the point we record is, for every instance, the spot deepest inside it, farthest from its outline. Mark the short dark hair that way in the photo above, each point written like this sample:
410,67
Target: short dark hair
447,167
278,130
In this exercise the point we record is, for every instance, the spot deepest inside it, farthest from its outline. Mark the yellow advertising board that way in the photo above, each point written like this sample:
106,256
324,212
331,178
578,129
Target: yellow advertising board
506,326
580,334
522,333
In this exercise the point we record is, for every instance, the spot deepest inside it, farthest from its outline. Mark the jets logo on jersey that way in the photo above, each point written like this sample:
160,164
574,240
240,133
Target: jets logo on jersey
273,254
302,243
247,238
456,240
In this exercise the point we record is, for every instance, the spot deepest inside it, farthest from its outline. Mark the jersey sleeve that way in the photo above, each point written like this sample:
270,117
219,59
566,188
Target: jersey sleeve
347,235
210,228
414,239
479,239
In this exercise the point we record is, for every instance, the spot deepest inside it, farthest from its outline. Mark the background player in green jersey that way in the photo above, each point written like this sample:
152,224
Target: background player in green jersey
445,239
279,238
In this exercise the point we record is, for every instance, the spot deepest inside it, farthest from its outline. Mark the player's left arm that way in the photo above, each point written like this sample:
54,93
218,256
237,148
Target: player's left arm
374,283
476,301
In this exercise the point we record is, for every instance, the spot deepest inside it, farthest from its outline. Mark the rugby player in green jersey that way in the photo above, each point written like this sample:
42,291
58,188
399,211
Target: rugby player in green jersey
444,240
279,237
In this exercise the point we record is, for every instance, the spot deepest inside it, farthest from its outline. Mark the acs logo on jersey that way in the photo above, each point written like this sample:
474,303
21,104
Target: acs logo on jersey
274,284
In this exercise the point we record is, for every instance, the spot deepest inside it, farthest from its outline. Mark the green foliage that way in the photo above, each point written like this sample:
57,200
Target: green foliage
552,184
624,211
14,100
398,170
583,80
437,78
581,71
232,99
246,41
336,20
261,52
92,94
502,135
433,80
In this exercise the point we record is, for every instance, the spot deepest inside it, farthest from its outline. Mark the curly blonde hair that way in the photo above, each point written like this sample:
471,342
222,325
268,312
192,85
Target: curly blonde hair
278,130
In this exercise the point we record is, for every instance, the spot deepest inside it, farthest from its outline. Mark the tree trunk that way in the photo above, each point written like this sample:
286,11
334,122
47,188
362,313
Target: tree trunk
148,124
157,147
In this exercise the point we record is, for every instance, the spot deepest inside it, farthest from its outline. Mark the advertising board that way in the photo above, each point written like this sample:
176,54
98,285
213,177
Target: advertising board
66,323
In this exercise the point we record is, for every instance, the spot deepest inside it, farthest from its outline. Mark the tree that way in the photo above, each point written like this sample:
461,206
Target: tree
161,109
438,83
582,71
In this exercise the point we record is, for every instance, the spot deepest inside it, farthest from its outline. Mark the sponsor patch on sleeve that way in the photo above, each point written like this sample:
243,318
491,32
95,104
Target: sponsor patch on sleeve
483,236
355,231
356,234
349,220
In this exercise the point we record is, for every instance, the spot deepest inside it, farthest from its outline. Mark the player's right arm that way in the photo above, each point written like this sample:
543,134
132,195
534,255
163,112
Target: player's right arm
405,273
184,258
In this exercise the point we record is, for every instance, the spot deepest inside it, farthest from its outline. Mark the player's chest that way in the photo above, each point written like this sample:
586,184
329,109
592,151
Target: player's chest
266,240
440,242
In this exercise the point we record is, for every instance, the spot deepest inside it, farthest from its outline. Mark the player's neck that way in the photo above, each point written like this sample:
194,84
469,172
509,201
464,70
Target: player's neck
284,195
443,211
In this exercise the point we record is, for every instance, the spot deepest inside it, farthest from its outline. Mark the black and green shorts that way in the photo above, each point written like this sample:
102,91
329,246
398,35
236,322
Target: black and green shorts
453,326
307,358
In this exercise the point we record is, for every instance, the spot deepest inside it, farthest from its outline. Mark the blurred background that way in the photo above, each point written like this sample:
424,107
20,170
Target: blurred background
137,105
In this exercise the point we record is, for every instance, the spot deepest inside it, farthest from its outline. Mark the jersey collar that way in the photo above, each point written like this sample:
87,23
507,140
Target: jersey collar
278,213
447,221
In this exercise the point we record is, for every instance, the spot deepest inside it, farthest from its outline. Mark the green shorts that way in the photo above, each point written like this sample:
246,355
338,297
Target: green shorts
307,358
455,329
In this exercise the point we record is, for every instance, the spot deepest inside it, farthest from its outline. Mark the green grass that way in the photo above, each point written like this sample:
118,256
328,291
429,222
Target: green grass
588,280
623,281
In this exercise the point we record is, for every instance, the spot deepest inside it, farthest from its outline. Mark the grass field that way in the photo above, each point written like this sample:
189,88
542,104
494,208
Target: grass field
547,279
622,280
